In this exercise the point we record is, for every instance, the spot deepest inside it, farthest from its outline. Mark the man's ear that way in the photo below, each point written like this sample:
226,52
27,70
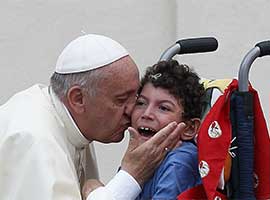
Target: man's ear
75,99
191,129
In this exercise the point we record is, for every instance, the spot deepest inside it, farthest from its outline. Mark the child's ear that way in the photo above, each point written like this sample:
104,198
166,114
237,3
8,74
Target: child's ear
191,129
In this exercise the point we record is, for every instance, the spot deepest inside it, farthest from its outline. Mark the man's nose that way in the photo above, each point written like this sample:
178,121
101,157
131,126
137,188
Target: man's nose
129,106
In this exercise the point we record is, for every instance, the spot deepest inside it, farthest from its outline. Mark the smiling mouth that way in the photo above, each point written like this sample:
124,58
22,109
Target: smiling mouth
146,132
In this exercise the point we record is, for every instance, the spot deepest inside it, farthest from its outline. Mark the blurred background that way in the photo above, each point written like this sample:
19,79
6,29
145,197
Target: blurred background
34,32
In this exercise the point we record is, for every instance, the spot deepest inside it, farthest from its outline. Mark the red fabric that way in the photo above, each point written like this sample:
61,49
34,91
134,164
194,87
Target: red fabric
213,151
198,193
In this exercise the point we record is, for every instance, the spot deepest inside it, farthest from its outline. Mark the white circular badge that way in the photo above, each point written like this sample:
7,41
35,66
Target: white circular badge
203,168
214,130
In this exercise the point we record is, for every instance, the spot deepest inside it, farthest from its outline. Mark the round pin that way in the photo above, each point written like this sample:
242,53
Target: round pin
214,130
203,168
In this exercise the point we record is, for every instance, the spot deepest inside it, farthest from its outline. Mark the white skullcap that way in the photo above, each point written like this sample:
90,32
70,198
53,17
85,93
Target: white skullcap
89,52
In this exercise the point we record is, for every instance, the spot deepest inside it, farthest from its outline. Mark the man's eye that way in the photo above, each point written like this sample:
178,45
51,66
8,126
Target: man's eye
122,100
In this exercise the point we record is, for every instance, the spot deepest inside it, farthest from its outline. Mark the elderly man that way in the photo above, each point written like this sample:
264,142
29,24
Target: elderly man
46,131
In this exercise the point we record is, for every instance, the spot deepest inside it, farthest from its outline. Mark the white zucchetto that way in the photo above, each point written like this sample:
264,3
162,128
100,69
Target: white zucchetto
89,52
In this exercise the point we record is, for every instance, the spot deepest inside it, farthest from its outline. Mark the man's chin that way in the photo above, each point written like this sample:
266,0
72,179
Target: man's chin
115,139
118,138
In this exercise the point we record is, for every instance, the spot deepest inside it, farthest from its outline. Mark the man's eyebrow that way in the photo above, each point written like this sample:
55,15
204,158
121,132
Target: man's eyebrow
126,93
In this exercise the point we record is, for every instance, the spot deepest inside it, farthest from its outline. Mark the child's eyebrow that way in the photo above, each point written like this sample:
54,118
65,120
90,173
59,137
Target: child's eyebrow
159,101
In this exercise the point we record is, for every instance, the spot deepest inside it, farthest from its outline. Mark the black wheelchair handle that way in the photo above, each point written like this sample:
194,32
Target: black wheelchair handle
264,48
191,45
197,45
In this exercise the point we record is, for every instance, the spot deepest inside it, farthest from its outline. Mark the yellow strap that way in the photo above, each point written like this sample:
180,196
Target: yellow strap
221,84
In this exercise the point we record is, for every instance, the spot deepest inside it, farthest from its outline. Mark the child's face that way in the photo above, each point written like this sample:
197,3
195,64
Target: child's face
154,109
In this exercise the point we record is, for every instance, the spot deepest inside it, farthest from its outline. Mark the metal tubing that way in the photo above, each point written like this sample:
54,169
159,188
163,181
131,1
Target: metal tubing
246,63
170,52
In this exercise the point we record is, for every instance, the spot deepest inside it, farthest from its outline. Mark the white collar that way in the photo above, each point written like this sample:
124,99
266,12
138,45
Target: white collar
73,133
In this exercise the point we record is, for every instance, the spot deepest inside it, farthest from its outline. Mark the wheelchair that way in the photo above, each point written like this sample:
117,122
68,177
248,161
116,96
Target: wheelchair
233,141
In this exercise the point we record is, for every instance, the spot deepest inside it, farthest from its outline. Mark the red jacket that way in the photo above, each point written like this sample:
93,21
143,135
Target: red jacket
214,140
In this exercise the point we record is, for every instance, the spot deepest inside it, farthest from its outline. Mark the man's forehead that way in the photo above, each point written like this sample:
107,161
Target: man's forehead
125,86
119,85
125,64
121,77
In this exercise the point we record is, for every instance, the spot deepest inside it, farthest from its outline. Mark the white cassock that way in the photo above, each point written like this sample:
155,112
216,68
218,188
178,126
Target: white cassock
44,156
42,152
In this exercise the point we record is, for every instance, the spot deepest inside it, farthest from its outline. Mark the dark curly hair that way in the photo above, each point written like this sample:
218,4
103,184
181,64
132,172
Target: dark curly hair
181,82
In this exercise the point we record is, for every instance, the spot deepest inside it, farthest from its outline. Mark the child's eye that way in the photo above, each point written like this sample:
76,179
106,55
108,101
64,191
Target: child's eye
139,103
164,108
